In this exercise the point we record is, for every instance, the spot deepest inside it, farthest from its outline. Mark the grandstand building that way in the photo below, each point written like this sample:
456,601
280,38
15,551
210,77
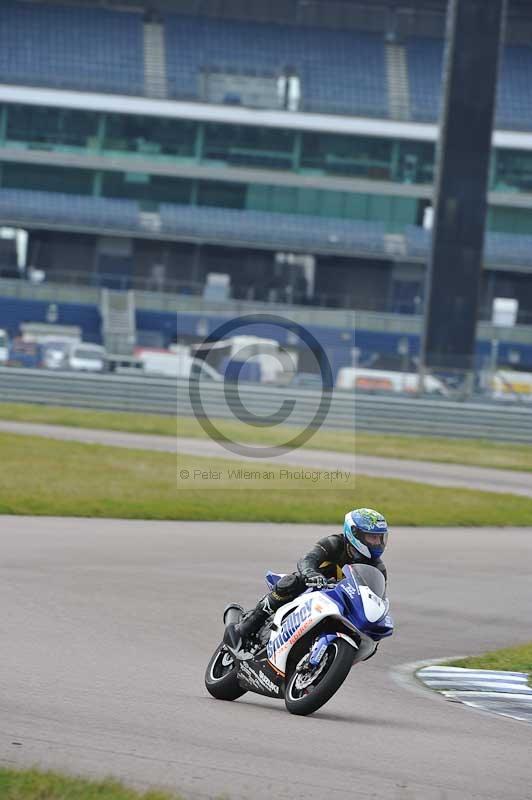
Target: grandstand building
288,145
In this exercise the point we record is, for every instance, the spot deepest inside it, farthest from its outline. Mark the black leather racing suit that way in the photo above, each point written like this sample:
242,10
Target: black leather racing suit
329,555
326,558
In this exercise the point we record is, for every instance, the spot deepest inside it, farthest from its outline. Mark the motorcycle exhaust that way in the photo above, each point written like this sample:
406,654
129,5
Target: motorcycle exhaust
232,614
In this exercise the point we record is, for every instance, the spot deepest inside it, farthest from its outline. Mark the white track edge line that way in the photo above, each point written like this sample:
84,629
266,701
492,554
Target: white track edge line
405,675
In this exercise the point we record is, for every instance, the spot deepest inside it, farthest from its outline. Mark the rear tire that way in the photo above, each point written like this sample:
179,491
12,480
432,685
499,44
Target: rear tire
305,699
221,676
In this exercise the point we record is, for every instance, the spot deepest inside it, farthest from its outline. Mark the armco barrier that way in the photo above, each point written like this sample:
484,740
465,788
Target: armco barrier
347,411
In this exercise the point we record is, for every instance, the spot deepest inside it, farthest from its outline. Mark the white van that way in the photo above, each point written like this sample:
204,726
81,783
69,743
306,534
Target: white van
387,381
85,357
177,363
4,347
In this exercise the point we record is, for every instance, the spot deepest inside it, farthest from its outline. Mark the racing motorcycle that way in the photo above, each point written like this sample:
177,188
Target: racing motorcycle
305,652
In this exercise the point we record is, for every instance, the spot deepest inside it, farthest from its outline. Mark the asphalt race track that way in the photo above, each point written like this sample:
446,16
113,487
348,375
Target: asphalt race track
107,626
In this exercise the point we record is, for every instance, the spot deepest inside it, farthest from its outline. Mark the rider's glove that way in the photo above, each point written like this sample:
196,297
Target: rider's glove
316,581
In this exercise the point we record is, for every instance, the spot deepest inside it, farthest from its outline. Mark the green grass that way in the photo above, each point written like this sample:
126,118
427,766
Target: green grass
513,659
46,477
35,785
474,452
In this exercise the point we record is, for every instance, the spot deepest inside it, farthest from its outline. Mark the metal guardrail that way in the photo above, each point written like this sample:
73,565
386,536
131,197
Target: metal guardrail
163,395
360,412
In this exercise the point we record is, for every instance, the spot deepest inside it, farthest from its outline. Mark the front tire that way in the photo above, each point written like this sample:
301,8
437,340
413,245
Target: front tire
221,676
309,690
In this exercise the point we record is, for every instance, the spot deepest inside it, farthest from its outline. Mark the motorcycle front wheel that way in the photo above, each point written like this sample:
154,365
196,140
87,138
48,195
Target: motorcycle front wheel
311,687
221,676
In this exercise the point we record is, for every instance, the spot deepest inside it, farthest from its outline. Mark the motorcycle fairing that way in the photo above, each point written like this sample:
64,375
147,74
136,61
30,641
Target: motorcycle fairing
351,601
362,607
293,620
258,676
272,578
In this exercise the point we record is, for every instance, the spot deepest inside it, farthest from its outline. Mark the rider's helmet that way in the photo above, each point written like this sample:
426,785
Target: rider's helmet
367,531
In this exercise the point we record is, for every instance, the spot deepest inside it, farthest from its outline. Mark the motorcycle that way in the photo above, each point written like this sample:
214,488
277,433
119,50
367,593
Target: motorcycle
305,653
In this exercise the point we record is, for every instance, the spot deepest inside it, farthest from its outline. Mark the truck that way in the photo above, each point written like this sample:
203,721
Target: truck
24,354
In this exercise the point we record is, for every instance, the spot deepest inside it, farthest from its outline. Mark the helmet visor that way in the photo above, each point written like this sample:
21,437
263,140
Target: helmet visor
374,541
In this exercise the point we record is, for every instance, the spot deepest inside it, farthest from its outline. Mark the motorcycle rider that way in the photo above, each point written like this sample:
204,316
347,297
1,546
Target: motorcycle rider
362,542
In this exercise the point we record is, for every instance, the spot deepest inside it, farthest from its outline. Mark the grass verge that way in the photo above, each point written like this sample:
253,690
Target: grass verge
473,452
513,659
46,477
34,785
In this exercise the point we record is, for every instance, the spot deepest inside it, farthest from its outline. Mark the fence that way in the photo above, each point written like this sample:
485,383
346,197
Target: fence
347,411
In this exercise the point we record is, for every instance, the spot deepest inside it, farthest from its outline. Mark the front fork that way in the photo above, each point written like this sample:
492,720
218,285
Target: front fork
320,646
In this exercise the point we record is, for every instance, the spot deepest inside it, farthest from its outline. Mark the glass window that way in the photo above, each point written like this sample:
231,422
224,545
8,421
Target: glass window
356,206
513,171
87,354
284,200
146,188
259,197
51,127
404,212
415,162
218,193
246,145
396,212
48,179
510,220
370,157
363,156
332,204
309,202
150,135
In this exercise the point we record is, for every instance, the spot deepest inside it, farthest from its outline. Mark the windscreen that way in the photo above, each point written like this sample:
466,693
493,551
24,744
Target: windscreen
88,355
369,576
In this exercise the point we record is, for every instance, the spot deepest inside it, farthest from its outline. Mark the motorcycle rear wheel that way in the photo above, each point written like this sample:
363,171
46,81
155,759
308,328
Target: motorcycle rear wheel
306,692
221,676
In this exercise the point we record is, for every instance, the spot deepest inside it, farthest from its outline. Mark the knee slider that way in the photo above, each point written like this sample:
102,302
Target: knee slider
287,585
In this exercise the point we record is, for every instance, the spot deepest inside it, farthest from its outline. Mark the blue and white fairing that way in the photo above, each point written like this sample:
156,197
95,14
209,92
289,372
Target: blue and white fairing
357,602
364,602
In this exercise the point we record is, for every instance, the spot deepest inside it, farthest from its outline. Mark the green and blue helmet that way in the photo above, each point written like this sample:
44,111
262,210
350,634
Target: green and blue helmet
367,531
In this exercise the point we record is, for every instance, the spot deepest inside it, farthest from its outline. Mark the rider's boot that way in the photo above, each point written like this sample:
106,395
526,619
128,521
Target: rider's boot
288,587
235,635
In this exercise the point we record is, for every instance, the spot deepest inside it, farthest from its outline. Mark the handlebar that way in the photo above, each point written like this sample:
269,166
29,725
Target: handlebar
319,582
